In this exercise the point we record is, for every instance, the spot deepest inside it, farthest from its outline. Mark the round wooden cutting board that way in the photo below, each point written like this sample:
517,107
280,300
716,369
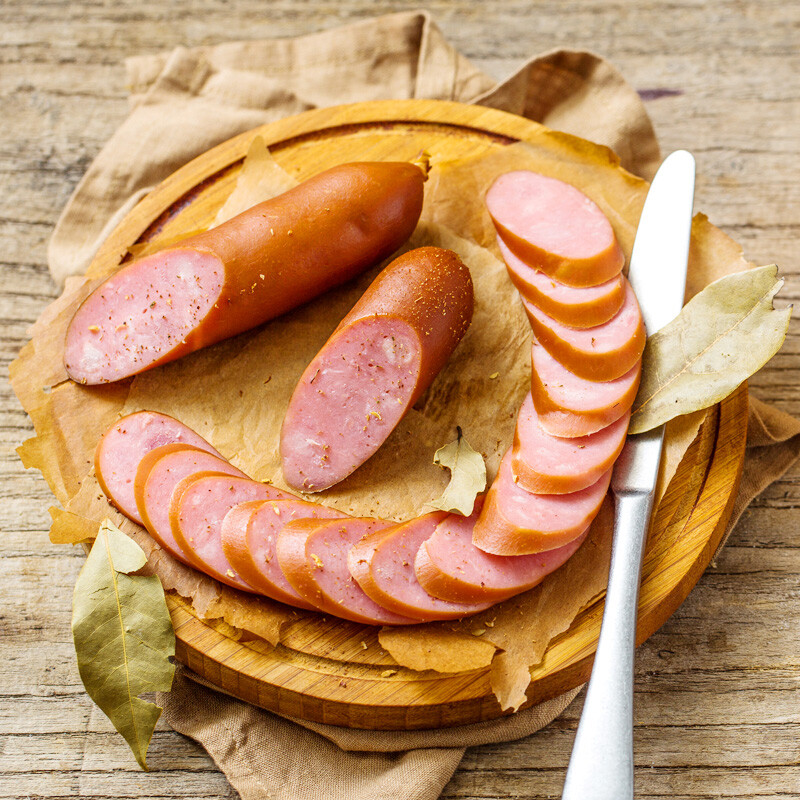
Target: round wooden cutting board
333,671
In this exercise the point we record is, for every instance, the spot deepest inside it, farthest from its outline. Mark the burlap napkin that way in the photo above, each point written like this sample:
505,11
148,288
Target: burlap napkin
185,102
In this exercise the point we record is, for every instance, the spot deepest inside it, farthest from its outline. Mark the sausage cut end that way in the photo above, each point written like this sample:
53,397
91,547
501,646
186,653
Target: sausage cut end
144,315
348,401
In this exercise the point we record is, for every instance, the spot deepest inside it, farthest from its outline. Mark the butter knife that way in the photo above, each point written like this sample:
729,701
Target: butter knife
601,765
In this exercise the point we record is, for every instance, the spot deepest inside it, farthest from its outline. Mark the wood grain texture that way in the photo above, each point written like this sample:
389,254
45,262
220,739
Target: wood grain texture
717,685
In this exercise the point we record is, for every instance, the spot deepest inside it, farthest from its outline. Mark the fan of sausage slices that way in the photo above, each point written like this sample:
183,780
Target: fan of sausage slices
564,259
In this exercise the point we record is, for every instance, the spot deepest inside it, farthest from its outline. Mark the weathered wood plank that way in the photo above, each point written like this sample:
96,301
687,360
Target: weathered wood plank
717,686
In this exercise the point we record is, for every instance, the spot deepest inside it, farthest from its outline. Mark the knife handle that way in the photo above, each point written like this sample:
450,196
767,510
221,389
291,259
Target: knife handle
601,765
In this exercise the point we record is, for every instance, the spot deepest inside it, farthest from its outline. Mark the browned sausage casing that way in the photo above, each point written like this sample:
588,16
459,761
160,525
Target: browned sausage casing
258,265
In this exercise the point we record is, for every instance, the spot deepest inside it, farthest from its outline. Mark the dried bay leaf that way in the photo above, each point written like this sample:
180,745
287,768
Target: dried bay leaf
467,478
123,636
722,336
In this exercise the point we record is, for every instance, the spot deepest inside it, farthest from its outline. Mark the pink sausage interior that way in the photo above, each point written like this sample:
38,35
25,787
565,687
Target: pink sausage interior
348,402
263,528
164,476
546,513
559,292
451,550
569,391
201,510
145,310
583,456
127,442
328,547
605,338
391,564
549,213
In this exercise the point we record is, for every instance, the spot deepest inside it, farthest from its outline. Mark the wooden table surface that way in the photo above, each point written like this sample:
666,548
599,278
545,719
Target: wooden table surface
718,687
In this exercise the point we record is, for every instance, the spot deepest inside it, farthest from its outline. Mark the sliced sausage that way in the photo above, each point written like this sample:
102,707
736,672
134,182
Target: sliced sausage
555,228
375,365
580,307
449,565
383,565
252,268
249,535
571,406
601,353
159,473
514,522
201,503
125,443
546,464
313,557
147,463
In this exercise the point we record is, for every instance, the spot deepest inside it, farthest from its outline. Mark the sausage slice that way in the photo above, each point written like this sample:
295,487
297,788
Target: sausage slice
156,482
580,307
514,522
571,406
125,443
249,536
555,228
313,557
601,353
546,464
383,565
451,567
377,363
196,515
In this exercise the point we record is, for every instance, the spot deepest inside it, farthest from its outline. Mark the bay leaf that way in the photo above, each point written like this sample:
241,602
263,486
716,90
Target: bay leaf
722,336
467,476
123,636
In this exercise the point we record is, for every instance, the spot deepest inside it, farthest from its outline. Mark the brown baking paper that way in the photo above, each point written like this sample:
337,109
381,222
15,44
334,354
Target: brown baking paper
253,376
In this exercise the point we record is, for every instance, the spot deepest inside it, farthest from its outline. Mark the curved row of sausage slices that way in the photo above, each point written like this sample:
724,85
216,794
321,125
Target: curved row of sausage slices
257,538
563,257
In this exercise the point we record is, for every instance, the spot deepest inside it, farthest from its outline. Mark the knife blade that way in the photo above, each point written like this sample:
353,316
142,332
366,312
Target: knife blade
601,764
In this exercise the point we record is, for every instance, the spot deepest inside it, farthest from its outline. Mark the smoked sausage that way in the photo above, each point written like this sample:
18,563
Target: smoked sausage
123,446
252,268
571,406
378,361
553,227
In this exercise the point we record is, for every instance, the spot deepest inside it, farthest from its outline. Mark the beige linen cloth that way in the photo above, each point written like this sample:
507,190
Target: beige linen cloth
187,101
